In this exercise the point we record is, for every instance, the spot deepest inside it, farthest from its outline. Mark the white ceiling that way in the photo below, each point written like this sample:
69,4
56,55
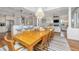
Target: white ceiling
13,10
49,11
34,9
58,11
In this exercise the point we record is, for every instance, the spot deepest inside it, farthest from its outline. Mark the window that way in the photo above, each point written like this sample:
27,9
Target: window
75,18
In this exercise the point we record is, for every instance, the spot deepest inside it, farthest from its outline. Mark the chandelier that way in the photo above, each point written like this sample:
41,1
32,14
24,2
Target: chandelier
39,13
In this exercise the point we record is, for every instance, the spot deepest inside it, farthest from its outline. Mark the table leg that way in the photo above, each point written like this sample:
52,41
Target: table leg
30,48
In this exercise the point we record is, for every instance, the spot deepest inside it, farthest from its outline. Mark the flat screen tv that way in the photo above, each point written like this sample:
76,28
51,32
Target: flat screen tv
56,21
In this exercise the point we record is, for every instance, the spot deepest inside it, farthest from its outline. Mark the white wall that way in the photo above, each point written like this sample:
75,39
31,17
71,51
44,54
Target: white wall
73,33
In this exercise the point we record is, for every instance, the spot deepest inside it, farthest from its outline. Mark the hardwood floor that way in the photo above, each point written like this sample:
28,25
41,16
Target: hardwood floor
74,45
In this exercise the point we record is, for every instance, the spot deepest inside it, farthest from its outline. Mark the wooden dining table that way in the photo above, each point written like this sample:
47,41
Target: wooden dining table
30,38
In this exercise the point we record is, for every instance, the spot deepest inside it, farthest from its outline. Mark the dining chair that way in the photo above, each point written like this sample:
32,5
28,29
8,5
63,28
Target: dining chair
51,34
1,39
1,45
42,45
2,42
11,45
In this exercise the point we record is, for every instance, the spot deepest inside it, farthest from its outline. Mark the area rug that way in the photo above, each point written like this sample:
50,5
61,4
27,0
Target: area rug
59,43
